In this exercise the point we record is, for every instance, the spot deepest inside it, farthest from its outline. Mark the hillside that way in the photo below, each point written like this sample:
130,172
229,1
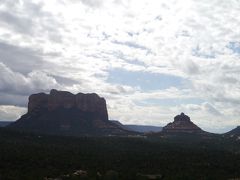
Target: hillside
234,133
4,123
138,128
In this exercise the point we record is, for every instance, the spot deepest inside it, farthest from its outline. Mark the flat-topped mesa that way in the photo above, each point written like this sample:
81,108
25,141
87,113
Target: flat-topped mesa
64,113
63,99
181,123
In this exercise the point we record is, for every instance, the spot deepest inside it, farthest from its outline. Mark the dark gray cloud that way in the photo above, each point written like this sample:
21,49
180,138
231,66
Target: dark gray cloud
17,23
20,59
18,84
29,18
21,17
13,99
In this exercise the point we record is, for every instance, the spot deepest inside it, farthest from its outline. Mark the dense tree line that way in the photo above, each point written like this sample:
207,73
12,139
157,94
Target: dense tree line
29,156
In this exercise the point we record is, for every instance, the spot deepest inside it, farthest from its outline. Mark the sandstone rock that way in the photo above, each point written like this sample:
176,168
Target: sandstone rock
181,123
37,100
63,99
62,112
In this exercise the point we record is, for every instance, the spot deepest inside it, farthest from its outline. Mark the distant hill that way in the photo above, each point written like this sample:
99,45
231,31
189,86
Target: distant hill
119,124
5,123
139,128
144,128
64,113
234,132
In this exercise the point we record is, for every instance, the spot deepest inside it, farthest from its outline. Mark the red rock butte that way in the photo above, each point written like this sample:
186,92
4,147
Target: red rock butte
181,123
64,113
63,99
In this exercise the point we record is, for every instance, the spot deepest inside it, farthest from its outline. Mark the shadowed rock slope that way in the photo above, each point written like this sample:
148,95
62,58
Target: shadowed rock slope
64,113
234,132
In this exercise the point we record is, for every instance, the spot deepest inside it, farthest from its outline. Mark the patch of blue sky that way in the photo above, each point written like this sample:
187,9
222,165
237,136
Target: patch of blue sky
132,33
234,46
197,52
120,54
145,80
133,45
169,101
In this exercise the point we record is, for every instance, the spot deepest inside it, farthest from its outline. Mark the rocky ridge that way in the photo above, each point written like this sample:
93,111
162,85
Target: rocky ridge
234,133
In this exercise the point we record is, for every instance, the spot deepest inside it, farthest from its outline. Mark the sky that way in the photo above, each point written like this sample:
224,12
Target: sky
150,59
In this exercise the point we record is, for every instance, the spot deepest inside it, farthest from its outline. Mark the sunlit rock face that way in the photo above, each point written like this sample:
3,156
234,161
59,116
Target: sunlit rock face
181,123
62,112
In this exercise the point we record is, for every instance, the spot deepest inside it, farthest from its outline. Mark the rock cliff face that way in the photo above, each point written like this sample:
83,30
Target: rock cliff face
181,123
62,112
63,99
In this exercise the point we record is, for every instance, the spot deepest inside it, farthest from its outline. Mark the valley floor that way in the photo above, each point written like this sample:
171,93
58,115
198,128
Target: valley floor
28,156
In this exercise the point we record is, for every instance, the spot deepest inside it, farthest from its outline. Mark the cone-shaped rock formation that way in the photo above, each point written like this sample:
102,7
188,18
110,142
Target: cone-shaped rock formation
181,123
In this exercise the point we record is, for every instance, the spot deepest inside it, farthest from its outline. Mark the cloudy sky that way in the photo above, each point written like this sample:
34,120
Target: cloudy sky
150,59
